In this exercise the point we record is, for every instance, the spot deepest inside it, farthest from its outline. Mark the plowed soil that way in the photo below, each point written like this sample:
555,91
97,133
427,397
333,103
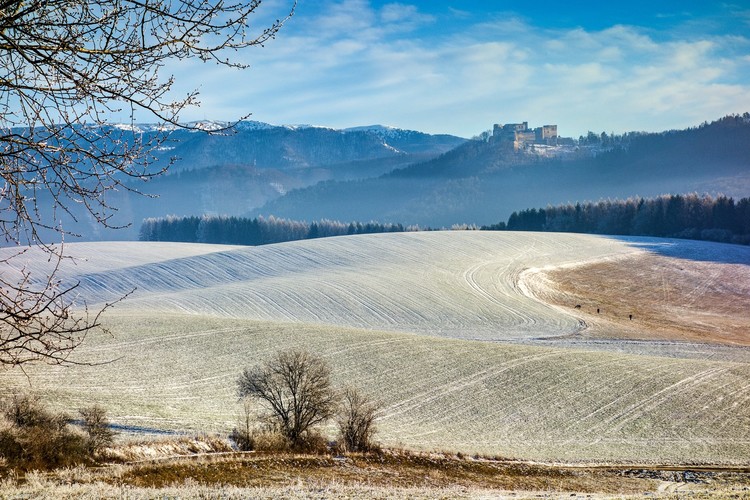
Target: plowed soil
654,297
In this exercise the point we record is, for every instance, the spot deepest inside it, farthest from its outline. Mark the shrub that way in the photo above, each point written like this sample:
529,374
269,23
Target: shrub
244,440
242,435
96,425
25,412
356,420
36,438
270,440
313,442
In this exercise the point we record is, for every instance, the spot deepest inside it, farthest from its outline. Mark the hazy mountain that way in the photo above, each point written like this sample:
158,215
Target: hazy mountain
391,175
233,171
483,182
299,147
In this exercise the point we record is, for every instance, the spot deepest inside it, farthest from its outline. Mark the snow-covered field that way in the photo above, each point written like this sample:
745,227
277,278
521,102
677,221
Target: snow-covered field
534,386
453,284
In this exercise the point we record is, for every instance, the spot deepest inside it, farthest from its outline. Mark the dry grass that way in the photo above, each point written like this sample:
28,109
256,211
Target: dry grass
386,470
141,450
670,299
389,474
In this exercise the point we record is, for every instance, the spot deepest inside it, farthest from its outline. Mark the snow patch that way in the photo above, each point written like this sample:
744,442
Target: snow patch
279,188
129,127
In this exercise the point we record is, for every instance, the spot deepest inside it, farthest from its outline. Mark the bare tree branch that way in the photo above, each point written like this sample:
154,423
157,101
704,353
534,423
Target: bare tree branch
67,66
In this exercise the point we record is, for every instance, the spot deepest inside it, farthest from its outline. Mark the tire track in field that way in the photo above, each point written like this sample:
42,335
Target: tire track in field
721,420
436,392
470,277
701,289
738,404
658,398
646,372
536,395
129,344
355,346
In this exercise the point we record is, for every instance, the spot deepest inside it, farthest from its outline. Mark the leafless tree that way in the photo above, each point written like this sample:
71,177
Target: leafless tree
96,425
296,387
356,420
242,435
68,66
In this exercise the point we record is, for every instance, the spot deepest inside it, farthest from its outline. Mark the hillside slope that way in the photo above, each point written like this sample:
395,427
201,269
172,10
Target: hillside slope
234,171
462,285
177,373
546,387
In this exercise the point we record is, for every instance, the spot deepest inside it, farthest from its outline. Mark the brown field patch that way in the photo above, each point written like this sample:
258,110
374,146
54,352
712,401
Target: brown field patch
388,474
668,298
388,469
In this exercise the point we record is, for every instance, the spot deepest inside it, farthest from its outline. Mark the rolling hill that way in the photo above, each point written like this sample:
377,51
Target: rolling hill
470,339
483,183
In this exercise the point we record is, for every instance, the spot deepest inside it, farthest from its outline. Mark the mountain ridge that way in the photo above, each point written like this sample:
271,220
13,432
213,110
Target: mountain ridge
482,182
375,172
232,171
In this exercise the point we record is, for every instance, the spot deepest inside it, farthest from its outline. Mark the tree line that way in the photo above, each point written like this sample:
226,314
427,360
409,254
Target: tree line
688,216
256,231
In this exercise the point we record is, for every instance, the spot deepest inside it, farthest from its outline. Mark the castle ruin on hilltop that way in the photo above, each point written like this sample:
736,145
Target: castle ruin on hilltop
519,134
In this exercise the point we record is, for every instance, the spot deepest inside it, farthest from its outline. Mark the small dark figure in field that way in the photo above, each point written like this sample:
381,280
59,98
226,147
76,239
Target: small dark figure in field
578,306
597,310
631,317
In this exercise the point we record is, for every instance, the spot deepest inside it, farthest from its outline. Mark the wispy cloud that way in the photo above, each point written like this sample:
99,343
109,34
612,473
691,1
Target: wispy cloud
349,63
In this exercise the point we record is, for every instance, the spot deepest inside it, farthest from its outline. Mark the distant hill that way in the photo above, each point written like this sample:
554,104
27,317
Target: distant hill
399,176
482,182
267,146
233,171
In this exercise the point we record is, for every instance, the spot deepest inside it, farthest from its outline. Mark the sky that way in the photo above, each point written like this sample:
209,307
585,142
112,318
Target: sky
460,67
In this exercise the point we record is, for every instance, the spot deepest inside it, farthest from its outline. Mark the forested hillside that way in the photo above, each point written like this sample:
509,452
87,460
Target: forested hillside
676,216
234,171
257,231
482,181
381,174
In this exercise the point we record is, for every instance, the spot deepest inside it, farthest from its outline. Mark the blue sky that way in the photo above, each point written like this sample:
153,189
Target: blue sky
459,67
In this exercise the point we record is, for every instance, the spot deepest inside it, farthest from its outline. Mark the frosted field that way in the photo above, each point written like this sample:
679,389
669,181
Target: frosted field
453,284
197,319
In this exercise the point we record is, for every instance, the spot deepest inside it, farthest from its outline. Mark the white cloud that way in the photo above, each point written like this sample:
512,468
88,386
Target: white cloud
351,64
403,16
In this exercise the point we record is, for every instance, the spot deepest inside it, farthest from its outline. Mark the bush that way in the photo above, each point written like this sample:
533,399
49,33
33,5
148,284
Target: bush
96,425
243,435
244,440
313,442
26,412
356,421
270,440
274,441
35,438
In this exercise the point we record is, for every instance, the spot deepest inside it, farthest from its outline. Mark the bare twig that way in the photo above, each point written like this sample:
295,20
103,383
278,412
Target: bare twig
67,66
